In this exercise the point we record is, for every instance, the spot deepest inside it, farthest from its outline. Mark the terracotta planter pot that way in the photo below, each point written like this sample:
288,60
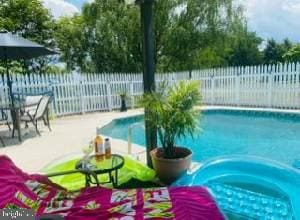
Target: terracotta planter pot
168,170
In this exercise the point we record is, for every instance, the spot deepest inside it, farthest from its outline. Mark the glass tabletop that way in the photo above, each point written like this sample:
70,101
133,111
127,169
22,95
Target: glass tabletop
17,105
104,163
9,106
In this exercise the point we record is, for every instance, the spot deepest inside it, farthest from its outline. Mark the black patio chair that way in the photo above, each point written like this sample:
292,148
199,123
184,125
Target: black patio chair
41,112
2,142
5,119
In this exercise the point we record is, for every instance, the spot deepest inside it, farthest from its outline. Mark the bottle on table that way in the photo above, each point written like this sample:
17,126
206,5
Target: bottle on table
99,148
107,147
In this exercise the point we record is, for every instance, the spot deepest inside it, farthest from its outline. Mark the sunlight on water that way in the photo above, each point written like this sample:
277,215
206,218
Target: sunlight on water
271,135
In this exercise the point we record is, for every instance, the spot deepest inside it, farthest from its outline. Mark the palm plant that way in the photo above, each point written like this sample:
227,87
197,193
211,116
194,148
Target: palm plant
123,96
170,110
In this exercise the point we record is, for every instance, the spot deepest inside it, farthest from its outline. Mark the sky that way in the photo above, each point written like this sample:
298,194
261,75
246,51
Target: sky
276,19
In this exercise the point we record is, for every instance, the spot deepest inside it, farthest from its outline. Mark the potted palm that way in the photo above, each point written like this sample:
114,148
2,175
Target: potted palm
171,111
123,97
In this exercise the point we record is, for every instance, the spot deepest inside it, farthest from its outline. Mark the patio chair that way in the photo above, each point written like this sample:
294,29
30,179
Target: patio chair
32,101
2,142
5,119
41,112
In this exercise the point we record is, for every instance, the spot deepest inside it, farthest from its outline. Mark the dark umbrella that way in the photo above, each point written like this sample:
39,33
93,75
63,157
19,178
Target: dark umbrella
13,47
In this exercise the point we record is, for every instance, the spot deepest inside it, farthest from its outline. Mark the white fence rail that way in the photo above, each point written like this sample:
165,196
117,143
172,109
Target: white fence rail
274,86
80,93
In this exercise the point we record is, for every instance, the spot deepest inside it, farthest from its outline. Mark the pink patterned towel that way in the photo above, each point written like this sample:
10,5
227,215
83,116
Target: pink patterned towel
37,192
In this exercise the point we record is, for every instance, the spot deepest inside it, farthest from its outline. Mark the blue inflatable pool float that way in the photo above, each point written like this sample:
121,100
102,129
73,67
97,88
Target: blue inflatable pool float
296,164
250,187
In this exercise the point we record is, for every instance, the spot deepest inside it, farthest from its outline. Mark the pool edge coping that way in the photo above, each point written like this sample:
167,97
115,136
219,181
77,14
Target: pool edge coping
254,109
203,107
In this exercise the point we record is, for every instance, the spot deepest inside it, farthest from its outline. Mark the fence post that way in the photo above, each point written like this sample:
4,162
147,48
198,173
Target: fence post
270,88
108,95
53,104
237,89
212,89
82,101
190,75
132,95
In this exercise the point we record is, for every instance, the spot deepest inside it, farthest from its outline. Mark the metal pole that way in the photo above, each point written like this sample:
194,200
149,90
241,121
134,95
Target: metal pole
14,112
9,83
149,69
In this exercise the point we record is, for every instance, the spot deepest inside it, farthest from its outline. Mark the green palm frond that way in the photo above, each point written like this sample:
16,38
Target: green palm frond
171,111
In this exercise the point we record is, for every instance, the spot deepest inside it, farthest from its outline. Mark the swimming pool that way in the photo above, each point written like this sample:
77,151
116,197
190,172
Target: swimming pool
239,150
270,135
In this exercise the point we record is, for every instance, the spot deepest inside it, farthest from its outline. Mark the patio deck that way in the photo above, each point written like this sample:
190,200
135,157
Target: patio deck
69,135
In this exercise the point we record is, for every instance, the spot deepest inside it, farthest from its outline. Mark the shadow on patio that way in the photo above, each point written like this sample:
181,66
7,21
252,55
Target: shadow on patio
27,133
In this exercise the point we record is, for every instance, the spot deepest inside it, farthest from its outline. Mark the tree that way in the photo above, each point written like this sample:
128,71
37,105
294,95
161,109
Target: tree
70,37
293,54
244,50
273,52
106,36
241,45
286,45
192,34
31,20
277,52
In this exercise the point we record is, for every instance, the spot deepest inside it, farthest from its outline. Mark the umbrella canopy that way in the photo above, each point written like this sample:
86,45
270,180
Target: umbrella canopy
13,47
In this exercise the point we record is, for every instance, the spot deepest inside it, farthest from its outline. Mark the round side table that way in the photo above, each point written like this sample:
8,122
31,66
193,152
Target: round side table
95,165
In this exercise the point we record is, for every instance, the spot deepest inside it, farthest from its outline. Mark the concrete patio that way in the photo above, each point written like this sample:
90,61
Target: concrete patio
69,135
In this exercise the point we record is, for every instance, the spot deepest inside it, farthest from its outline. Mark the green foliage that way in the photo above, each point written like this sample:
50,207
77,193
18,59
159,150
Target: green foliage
188,35
28,18
31,20
105,38
293,54
244,49
276,52
273,52
123,95
170,110
70,39
287,44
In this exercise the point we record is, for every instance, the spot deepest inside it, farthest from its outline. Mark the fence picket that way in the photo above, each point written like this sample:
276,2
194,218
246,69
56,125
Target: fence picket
273,86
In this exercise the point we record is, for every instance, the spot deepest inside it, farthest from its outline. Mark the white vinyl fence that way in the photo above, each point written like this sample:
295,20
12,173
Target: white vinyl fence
80,93
274,86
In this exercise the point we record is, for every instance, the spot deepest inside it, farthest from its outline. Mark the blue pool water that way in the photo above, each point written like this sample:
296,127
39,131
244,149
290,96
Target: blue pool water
232,145
271,135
